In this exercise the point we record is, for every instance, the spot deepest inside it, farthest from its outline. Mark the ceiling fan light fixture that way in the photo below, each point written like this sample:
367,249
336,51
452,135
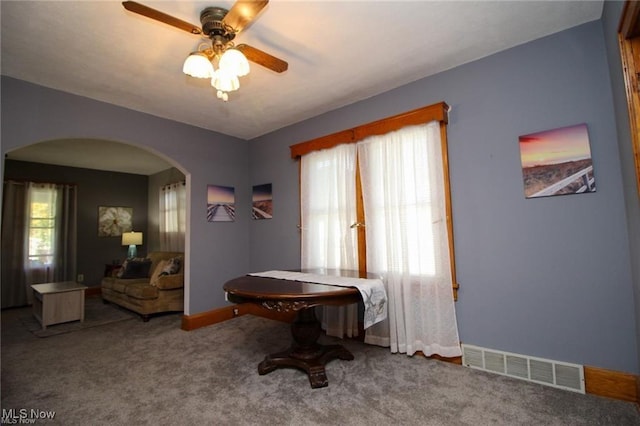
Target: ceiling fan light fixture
220,26
234,61
198,65
222,95
225,81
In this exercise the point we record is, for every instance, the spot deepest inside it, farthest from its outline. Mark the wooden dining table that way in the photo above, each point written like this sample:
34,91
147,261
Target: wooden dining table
281,295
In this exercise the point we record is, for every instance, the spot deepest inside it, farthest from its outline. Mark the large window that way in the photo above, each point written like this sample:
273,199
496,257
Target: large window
402,215
436,112
42,222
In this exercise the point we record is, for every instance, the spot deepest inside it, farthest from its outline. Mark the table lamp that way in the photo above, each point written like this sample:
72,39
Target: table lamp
132,239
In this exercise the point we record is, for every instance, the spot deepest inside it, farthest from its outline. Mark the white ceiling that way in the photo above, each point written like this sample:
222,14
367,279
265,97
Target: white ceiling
339,52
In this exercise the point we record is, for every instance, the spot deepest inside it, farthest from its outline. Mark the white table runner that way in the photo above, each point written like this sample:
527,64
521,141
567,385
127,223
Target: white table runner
373,293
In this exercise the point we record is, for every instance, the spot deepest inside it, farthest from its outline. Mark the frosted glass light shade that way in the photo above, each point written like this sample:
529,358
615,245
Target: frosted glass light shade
225,81
198,65
234,61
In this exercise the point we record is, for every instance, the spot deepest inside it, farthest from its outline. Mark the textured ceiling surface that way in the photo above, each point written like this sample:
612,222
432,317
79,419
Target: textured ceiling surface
339,52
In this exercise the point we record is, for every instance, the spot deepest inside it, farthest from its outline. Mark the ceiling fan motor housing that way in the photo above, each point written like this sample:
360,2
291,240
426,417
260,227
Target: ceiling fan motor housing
212,24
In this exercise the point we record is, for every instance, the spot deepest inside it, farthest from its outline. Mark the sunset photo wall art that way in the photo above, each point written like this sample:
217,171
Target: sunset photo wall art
557,162
221,203
262,202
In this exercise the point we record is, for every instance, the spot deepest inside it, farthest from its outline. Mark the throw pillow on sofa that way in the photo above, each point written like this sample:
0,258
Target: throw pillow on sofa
172,266
158,272
136,267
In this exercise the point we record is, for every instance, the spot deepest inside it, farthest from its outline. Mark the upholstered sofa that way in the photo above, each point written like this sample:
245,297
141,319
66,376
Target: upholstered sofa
147,285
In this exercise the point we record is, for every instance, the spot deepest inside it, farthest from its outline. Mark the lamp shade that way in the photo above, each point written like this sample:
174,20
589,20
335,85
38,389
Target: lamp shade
198,65
235,62
132,238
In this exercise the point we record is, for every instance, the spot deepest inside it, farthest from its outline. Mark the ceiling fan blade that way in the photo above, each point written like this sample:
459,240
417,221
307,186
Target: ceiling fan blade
262,58
243,12
143,10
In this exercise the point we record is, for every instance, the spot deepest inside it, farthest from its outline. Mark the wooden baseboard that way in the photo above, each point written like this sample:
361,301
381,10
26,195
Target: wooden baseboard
191,322
612,384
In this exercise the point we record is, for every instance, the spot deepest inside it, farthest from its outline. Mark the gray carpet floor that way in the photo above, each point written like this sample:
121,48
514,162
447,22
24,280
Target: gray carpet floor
135,373
96,314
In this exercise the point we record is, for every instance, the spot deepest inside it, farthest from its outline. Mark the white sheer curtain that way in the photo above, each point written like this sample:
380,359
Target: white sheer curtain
404,202
328,209
173,199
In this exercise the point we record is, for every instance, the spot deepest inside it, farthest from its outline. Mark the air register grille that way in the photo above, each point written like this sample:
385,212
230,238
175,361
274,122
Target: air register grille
538,370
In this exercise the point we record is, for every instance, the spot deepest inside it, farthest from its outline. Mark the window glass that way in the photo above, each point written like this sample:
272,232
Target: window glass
42,218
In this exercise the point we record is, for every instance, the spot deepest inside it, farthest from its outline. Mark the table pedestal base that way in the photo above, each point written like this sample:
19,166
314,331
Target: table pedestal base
306,353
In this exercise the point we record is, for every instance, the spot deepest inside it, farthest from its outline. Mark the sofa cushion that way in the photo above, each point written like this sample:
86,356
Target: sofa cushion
135,268
170,282
120,285
107,282
142,291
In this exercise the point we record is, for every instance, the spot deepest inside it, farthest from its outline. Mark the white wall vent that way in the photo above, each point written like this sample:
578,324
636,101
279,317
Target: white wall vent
547,372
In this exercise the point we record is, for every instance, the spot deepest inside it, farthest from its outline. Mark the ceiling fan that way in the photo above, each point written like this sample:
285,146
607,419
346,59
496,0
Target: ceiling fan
221,26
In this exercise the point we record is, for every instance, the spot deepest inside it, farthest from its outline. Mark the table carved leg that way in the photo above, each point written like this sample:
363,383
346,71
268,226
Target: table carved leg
305,352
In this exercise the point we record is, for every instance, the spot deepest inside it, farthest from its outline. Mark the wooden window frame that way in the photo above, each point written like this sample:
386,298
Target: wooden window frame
436,112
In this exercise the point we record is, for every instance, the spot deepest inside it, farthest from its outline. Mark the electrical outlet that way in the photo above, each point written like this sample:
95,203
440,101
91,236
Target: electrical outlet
80,278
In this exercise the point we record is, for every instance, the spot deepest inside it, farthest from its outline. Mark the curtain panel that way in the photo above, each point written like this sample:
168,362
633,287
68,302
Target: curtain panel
173,207
407,241
328,208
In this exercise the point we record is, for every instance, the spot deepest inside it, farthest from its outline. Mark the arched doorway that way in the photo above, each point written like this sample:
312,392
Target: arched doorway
108,174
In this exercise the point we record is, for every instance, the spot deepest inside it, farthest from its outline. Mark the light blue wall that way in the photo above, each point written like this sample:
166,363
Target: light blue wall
547,277
216,252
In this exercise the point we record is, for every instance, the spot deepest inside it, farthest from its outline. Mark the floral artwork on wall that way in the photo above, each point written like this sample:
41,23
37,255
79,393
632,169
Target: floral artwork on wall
221,205
262,202
557,162
113,221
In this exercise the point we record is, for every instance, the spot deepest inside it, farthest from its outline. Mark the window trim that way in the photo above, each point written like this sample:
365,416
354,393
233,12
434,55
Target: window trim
628,41
436,112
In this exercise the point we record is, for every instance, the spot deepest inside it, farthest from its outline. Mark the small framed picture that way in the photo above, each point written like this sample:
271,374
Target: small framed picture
113,221
557,162
221,203
262,202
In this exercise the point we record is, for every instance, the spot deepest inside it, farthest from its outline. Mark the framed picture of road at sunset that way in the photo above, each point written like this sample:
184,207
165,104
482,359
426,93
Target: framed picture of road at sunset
557,162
